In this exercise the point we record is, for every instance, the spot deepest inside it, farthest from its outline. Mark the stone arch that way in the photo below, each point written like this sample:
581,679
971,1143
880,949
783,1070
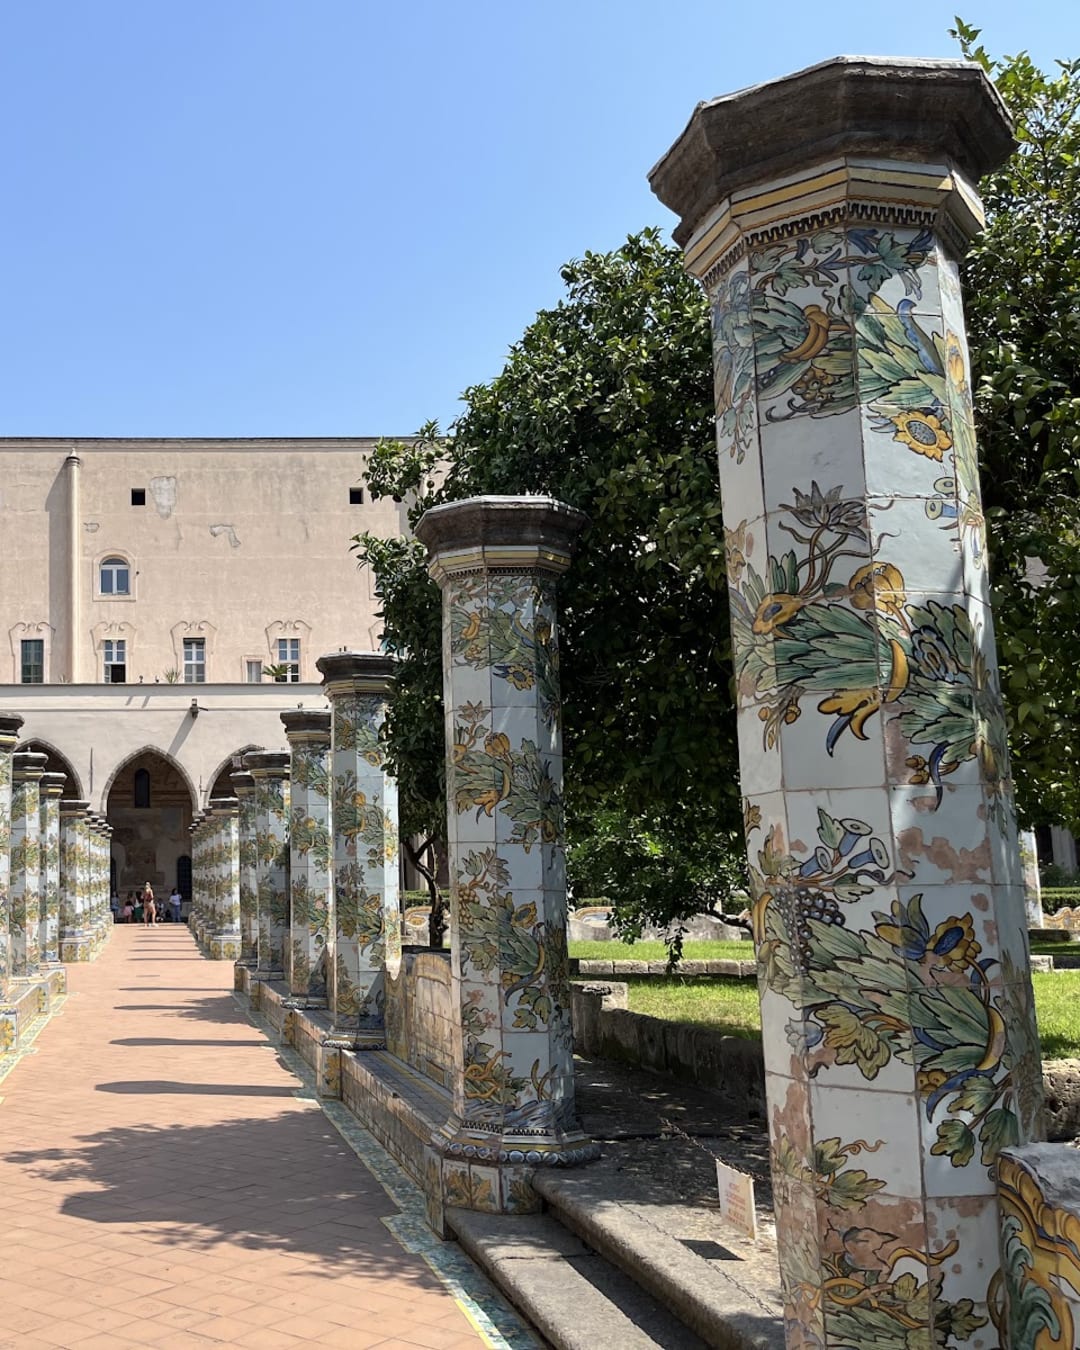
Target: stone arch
220,786
148,841
58,763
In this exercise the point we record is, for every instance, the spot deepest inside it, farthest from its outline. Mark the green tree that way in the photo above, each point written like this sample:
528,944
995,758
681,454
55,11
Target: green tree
1022,297
606,403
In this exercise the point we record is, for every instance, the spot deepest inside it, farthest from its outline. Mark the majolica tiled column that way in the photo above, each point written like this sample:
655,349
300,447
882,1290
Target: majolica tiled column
825,214
52,789
244,787
308,734
367,926
98,877
1029,861
225,942
270,770
497,560
9,738
74,919
26,863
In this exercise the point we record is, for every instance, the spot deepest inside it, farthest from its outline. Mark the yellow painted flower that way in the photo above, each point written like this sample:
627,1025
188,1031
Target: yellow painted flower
497,745
878,586
472,626
953,943
922,432
776,610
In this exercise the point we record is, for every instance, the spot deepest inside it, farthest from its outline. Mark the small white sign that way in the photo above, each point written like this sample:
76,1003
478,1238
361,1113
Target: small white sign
737,1198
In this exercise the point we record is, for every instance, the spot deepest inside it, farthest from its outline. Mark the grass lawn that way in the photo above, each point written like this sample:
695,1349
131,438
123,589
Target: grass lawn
732,1006
656,951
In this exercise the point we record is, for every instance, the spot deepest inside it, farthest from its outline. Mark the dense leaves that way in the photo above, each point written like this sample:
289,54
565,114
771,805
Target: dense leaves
1022,280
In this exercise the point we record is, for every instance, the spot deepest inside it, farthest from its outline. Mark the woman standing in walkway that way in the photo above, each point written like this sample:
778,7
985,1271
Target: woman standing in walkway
149,908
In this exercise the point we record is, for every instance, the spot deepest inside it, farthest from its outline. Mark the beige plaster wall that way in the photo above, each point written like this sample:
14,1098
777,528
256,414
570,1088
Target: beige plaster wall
240,542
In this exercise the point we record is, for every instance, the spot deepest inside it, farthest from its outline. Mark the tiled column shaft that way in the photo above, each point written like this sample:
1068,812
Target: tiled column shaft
270,770
26,863
1029,859
99,877
308,734
74,932
9,737
52,789
244,787
900,1045
225,943
200,879
497,560
367,929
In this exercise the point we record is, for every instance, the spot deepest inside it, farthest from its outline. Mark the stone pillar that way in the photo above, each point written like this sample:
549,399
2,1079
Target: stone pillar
52,789
1029,860
497,560
308,734
97,879
26,864
225,942
367,924
244,787
825,214
270,770
200,879
9,738
74,918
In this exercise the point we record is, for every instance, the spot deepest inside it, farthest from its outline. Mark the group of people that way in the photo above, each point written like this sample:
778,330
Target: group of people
141,907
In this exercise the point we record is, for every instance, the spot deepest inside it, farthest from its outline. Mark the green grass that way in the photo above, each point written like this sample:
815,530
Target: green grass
732,1006
656,951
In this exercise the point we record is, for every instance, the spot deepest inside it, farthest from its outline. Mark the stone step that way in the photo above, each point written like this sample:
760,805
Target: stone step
574,1298
717,1300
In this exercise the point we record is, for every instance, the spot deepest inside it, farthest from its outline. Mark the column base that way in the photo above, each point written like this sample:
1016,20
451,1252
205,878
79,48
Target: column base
492,1173
75,947
224,945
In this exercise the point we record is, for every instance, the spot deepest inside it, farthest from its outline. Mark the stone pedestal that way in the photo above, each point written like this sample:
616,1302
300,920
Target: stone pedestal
225,937
497,560
825,214
310,847
270,770
25,884
75,934
367,921
51,790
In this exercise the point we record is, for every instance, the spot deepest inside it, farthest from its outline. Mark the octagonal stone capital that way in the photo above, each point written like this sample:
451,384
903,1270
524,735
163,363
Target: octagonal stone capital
52,785
10,724
29,765
500,534
356,672
266,764
303,726
855,138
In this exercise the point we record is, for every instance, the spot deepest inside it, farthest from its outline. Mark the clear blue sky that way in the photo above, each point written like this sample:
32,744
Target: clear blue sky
327,217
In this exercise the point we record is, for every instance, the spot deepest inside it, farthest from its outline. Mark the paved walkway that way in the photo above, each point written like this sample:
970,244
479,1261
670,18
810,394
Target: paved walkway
163,1182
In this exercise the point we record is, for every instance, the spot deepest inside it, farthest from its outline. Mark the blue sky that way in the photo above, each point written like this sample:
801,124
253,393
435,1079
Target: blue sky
328,217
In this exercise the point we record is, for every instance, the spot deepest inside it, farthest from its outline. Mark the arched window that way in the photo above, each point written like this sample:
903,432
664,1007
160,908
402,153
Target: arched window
114,577
142,788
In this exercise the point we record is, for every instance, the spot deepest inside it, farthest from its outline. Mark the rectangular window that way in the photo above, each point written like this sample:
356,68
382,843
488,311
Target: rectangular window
194,661
138,496
254,671
288,659
115,660
33,661
356,496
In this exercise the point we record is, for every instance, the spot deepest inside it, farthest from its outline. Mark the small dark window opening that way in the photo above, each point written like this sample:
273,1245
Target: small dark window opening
142,787
138,496
356,496
183,875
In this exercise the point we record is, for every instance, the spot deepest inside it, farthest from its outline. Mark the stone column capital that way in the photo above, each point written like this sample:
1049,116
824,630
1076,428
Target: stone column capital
356,673
226,806
267,764
10,725
28,765
243,783
74,809
499,534
306,726
52,785
853,139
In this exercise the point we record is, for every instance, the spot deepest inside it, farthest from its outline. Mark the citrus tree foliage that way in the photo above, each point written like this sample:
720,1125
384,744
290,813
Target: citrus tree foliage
1022,296
606,403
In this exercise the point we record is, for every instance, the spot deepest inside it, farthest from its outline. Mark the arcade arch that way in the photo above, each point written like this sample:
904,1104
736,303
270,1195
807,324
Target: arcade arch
58,763
149,804
222,785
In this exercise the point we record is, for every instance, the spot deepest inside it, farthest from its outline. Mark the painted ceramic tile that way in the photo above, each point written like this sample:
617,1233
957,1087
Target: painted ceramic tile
805,452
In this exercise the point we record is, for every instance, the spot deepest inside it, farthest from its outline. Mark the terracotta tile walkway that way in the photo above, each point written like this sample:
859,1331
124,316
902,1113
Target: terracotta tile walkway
162,1184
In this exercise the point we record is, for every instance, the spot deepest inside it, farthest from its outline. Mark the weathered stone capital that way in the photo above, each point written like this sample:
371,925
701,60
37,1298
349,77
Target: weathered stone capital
304,727
856,137
266,764
52,785
28,765
226,806
356,673
10,724
73,808
243,783
500,534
